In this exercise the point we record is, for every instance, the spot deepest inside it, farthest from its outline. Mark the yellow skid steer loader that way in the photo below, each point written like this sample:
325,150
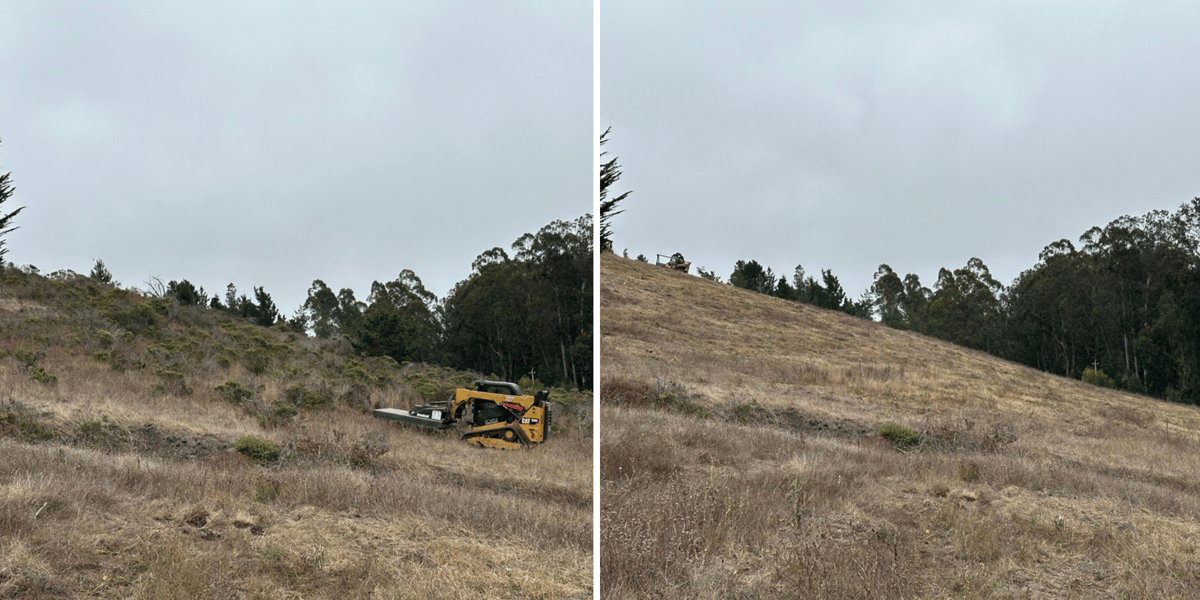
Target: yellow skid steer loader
495,415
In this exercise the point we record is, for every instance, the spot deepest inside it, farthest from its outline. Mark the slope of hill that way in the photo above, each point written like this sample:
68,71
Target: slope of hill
742,457
119,418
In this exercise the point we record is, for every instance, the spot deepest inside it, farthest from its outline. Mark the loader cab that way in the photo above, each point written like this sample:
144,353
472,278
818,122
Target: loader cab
497,387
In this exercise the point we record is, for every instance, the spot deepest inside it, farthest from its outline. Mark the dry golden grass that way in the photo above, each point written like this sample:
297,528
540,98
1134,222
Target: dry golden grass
740,459
139,494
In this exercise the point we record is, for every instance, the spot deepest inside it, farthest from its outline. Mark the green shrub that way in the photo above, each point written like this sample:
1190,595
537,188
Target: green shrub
1097,377
90,430
900,436
28,357
41,376
745,413
233,392
257,360
105,338
13,414
257,449
529,386
283,410
299,395
172,383
140,318
226,356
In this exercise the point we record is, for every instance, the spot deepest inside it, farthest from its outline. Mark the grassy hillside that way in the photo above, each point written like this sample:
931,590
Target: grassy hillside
742,457
119,419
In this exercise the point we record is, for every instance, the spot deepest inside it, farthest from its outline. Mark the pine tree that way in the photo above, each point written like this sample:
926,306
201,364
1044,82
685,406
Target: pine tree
101,274
6,192
610,172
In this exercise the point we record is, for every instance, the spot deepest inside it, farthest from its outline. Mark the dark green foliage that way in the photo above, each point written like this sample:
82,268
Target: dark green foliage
6,192
100,274
1127,302
914,302
399,321
105,338
40,375
186,294
709,275
1097,378
784,290
744,413
901,437
887,298
831,296
283,409
261,310
610,172
265,313
528,312
16,419
300,396
258,449
28,360
232,303
752,276
321,307
965,307
172,382
298,323
258,348
233,392
371,370
140,318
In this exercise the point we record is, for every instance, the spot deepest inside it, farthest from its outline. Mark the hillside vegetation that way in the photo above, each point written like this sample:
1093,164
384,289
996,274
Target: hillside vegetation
1122,310
753,447
153,450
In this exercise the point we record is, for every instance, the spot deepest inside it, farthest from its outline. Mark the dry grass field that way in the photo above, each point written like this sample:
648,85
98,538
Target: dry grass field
119,416
741,457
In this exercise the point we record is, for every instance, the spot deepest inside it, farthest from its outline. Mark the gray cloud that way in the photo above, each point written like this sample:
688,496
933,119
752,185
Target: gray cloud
272,144
915,134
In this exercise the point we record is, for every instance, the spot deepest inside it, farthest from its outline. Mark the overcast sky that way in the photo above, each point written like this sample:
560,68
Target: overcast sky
271,144
844,135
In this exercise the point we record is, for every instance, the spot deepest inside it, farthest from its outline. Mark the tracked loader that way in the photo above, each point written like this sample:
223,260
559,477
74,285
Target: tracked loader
675,262
495,415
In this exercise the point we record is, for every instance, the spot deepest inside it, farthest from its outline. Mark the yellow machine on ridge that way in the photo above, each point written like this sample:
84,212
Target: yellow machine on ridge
495,414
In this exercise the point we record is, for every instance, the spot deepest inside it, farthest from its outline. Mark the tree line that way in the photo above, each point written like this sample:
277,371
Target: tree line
827,293
524,313
1121,308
